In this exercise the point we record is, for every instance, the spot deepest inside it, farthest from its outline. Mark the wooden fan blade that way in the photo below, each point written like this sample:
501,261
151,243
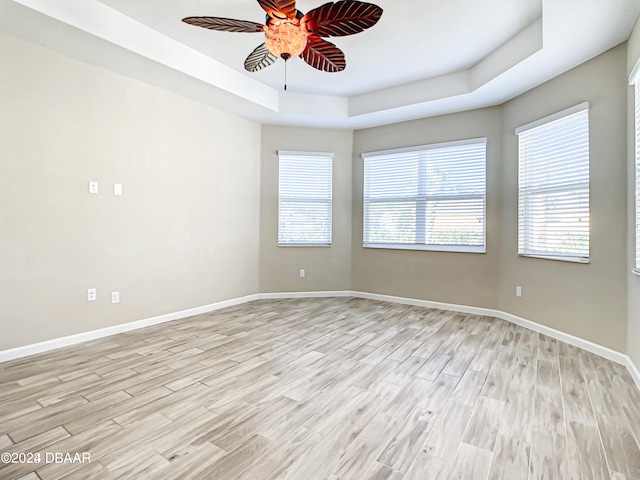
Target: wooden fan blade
339,19
280,9
324,55
260,58
224,24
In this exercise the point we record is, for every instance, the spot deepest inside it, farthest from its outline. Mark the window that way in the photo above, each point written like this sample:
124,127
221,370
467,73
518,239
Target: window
553,186
304,198
430,197
635,79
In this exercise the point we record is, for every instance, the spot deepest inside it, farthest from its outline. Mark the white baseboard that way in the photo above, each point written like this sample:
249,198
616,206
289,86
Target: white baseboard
427,303
324,294
536,327
19,352
633,370
592,347
587,345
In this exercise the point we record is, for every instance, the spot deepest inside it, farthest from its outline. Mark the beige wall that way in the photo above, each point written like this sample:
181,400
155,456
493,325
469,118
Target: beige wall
585,300
173,242
185,232
326,268
589,301
462,278
633,343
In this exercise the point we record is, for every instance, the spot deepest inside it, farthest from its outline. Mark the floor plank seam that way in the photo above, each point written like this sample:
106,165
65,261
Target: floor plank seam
225,392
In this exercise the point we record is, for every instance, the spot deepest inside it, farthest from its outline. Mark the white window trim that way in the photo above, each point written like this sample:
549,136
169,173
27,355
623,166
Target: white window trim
560,258
329,155
553,117
433,247
429,248
529,126
305,154
634,80
431,146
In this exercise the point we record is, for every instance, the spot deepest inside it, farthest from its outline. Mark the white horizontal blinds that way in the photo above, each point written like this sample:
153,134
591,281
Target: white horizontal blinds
431,196
637,83
304,200
554,188
390,192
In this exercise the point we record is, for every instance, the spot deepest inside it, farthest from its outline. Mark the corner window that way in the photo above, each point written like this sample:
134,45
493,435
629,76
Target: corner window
304,198
431,197
553,186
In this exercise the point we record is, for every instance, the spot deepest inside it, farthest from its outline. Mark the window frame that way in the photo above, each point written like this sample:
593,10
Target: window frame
581,107
424,198
282,200
634,80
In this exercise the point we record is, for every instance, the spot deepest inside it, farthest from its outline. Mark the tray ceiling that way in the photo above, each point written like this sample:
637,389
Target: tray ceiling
422,58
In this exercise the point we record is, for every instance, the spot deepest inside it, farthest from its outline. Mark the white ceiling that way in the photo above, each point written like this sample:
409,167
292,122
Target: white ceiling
423,58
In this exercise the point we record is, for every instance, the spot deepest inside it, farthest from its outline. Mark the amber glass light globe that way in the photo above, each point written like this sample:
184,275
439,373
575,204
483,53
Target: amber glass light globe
285,38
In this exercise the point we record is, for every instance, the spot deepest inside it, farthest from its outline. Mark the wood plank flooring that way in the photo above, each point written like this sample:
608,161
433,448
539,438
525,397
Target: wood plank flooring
326,389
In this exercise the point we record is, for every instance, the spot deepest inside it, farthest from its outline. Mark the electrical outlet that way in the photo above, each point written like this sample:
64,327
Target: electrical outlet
518,291
115,297
117,189
91,295
93,187
302,273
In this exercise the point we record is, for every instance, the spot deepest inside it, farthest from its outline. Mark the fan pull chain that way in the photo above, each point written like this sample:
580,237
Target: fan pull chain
285,75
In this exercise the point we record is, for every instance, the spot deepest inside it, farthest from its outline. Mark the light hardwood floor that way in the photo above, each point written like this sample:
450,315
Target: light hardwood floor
325,389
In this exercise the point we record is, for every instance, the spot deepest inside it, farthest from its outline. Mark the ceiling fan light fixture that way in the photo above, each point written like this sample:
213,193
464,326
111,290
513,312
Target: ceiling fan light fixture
290,33
285,38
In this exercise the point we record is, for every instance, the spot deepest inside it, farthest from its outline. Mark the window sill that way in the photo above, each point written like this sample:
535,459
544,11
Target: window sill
560,259
428,248
298,245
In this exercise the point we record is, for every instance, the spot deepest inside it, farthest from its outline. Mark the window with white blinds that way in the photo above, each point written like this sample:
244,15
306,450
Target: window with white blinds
636,81
553,186
304,198
430,197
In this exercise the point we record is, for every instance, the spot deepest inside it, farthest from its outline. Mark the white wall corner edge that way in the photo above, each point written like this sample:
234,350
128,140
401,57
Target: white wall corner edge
605,352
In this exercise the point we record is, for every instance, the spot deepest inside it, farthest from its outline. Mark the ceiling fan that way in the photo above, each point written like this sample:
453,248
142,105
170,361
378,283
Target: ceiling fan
289,33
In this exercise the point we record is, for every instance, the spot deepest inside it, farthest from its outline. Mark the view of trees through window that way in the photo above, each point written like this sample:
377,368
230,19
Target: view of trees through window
553,186
430,196
304,199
